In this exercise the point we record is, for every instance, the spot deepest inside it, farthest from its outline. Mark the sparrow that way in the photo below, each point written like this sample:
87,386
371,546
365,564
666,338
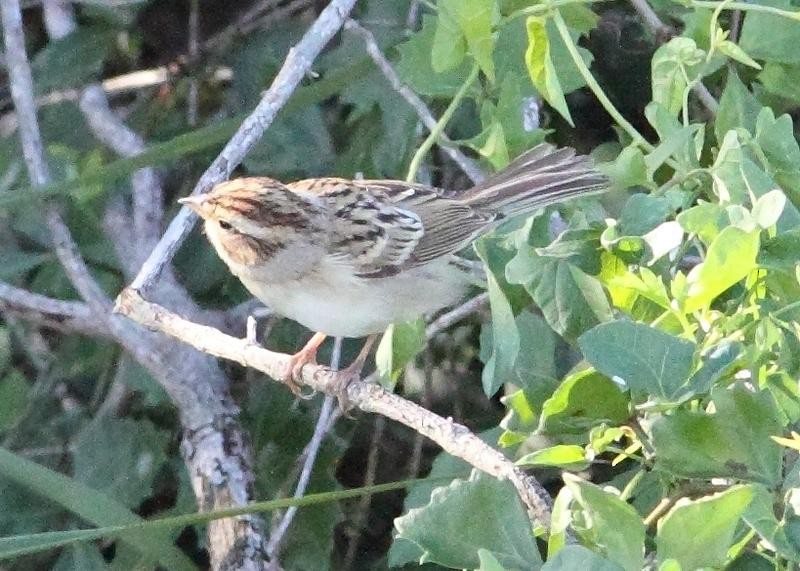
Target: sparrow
349,257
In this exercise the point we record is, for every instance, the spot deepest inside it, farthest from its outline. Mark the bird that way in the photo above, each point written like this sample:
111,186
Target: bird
347,258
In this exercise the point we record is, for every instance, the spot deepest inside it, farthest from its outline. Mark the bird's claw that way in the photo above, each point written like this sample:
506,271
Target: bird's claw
294,374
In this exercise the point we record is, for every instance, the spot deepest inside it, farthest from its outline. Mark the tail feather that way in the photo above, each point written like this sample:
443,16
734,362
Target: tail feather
539,177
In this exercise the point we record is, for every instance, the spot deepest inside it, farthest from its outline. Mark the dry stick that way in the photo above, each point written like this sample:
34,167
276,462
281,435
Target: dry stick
662,32
470,168
194,52
214,446
309,457
69,316
452,437
295,67
21,82
448,318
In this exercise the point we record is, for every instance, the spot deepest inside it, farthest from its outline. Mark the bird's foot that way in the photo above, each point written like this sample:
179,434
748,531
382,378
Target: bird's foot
344,378
294,369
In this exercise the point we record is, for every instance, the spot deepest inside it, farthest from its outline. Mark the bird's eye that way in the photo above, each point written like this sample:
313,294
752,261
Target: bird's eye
225,225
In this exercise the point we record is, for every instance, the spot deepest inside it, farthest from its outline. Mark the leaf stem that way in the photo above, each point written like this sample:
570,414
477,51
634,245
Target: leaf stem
545,8
591,82
438,129
745,7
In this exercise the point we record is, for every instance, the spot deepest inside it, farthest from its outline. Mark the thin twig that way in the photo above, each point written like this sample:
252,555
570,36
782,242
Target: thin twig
454,438
308,457
438,129
72,316
470,168
297,64
457,314
194,52
365,500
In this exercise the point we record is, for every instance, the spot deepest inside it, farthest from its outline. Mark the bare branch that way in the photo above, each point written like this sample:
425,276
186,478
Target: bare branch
457,314
295,67
452,437
308,457
214,446
19,73
72,316
470,168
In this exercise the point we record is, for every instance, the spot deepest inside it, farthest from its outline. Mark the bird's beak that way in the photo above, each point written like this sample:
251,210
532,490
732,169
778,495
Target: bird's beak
196,202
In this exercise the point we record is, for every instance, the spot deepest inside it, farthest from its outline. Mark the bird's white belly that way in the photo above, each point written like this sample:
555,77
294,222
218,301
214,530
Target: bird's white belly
338,304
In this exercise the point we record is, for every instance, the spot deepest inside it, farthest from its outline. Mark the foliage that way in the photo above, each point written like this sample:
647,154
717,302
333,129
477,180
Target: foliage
644,343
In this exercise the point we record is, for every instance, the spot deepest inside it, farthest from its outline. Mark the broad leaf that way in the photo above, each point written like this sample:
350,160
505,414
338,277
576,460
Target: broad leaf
732,442
610,524
648,361
540,66
697,533
730,258
467,515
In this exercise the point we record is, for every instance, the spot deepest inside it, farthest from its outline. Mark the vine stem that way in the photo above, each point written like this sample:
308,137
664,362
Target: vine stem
591,82
438,129
746,7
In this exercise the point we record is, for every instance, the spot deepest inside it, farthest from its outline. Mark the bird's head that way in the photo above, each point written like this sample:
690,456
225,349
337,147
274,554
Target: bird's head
249,220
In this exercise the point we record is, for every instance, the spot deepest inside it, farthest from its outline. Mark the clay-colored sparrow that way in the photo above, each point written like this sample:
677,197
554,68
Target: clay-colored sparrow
349,257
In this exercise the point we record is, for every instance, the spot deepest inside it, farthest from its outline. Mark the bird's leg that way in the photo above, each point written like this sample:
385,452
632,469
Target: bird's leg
351,373
306,355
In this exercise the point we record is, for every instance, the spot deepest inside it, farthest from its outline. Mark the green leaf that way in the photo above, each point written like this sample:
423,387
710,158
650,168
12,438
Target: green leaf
15,263
277,153
730,258
444,467
733,442
642,213
120,457
473,19
628,169
737,108
771,37
697,533
566,456
81,558
449,44
672,64
582,401
718,363
580,247
488,561
760,515
540,66
399,345
574,557
504,333
733,51
611,525
89,505
517,112
781,79
482,512
73,60
571,300
649,362
705,219
768,208
14,394
416,69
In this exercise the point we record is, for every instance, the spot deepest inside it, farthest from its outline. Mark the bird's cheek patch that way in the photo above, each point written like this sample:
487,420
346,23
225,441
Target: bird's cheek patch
247,250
